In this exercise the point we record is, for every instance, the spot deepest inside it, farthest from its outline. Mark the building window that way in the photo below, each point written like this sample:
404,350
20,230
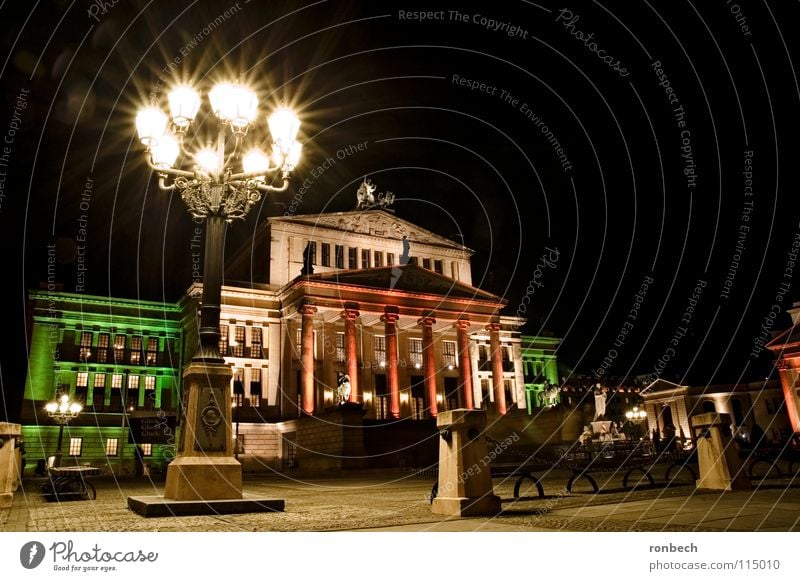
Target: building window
223,339
312,252
454,270
352,256
340,350
75,446
152,350
339,256
449,354
102,347
133,382
438,267
99,380
136,349
147,449
150,382
86,345
255,387
255,343
119,347
380,350
378,259
365,258
389,259
508,386
413,260
485,390
415,352
116,381
426,263
237,345
326,254
238,386
112,446
82,379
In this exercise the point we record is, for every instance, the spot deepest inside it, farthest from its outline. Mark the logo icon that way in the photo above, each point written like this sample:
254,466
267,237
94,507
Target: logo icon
31,554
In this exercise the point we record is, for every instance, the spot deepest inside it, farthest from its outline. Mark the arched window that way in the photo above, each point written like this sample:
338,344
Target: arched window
709,407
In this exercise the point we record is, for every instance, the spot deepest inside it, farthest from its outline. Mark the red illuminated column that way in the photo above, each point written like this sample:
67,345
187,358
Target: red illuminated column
307,357
497,367
389,319
464,364
351,352
430,362
788,383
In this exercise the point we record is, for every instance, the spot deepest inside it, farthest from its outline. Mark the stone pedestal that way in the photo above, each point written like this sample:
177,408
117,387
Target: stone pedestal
204,478
718,457
465,482
205,468
10,435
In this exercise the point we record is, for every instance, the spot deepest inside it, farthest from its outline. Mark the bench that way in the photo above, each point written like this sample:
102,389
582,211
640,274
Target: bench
69,483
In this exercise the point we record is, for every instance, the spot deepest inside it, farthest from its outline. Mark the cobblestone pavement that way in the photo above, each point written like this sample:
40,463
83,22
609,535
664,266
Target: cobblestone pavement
400,502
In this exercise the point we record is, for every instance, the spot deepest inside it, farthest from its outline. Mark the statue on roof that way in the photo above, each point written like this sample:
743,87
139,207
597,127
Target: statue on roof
366,199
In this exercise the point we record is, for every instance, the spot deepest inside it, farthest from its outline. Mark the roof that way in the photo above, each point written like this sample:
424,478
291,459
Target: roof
371,222
406,278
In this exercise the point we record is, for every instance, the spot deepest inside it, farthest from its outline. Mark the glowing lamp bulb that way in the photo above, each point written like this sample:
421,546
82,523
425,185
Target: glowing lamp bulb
151,123
256,161
208,160
184,102
165,152
284,126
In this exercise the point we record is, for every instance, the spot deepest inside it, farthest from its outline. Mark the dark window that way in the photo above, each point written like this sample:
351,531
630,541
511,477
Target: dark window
426,263
389,259
312,252
326,254
365,258
223,339
352,257
255,342
378,259
413,260
86,345
255,387
136,349
339,256
152,350
437,267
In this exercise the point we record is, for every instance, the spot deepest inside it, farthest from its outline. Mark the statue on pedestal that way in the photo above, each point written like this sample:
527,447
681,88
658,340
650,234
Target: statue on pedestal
342,387
599,402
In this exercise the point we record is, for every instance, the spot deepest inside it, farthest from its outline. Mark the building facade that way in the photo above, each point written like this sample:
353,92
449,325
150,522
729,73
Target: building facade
121,359
357,307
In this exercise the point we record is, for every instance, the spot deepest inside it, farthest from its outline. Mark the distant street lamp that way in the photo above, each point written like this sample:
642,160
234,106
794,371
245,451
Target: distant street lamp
213,190
62,411
636,416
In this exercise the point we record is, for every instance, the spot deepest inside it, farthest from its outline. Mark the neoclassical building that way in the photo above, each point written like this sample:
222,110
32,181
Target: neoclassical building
310,299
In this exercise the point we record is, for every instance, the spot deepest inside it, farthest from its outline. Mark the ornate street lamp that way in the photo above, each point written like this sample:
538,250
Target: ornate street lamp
213,189
219,182
62,411
636,417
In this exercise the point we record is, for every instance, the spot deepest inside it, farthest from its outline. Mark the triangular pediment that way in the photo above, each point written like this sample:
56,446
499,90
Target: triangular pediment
373,223
408,278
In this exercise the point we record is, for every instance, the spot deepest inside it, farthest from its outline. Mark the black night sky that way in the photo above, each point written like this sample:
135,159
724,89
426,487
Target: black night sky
646,149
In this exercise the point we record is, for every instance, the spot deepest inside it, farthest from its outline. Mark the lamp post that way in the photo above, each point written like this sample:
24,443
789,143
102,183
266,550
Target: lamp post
219,182
62,411
636,416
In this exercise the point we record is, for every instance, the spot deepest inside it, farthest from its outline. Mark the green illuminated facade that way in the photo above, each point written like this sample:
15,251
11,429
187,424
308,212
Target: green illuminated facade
121,359
540,371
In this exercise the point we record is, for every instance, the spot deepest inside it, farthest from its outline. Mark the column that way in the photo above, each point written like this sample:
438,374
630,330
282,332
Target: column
464,364
351,350
430,363
307,357
389,319
788,376
497,367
